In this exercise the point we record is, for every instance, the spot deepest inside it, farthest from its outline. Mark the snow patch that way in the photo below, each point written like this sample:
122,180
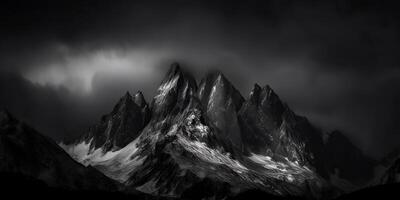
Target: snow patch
114,164
194,124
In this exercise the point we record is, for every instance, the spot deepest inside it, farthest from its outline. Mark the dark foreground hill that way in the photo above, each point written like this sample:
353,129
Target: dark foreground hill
18,186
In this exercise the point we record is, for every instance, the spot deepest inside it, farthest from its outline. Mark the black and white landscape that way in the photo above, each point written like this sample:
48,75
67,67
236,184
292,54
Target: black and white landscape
200,100
195,141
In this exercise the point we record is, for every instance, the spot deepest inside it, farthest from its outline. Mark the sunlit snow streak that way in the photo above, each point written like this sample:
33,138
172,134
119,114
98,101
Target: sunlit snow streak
114,164
82,153
78,152
214,92
288,171
207,154
164,89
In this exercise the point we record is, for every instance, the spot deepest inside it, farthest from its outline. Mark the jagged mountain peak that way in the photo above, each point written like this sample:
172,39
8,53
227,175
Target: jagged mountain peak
124,103
127,103
269,93
216,89
139,99
126,98
176,68
219,77
255,93
266,101
174,92
267,98
223,82
127,95
175,72
117,128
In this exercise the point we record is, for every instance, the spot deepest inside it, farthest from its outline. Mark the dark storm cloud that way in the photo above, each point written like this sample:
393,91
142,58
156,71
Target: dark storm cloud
335,62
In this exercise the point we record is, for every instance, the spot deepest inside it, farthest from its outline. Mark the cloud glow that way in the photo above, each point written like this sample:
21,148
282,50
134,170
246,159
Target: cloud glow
76,72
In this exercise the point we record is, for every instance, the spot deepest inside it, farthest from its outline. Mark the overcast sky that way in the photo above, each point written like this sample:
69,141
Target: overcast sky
65,63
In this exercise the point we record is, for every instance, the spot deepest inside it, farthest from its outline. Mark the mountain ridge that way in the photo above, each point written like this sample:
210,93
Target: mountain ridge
211,132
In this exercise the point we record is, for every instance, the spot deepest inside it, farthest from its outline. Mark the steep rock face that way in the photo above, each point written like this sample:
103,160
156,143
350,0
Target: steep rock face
140,101
221,102
25,151
270,127
260,116
300,142
121,126
392,174
347,161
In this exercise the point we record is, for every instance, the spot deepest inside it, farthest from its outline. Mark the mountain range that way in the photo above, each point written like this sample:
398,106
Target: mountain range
194,141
